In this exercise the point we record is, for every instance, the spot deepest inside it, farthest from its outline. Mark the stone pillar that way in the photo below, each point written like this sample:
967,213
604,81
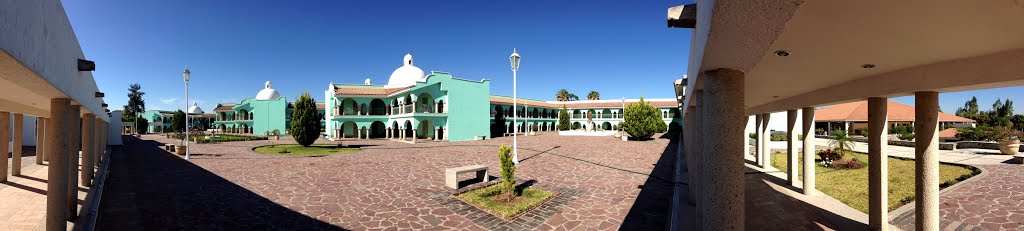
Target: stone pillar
723,178
74,131
40,144
414,135
689,143
926,149
436,129
57,145
758,119
98,145
88,149
5,135
808,126
387,133
766,139
19,121
791,139
878,166
359,133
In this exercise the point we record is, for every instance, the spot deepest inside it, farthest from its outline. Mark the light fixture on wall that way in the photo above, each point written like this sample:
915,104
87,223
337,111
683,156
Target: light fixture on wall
99,94
782,53
86,65
867,66
103,105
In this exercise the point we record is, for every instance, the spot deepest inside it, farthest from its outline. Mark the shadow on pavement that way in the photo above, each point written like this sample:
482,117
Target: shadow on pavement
653,204
150,189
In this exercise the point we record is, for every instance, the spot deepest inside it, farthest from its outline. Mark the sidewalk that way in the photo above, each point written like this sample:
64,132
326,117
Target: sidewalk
23,198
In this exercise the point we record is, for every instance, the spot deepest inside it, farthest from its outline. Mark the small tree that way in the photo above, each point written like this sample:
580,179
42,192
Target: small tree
508,172
841,142
498,126
178,121
305,127
642,120
563,119
140,125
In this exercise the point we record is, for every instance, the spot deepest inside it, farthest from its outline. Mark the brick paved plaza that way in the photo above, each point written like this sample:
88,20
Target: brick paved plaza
604,185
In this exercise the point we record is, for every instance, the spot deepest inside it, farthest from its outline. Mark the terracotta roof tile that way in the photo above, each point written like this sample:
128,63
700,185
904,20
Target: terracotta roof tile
367,91
508,101
224,108
948,133
858,111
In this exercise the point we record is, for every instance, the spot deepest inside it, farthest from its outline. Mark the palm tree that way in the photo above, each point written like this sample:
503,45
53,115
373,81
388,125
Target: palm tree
563,95
573,97
593,95
841,142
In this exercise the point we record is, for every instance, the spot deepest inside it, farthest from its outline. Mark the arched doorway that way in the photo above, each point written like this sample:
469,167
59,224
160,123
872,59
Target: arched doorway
440,106
348,106
425,130
576,125
606,125
394,129
377,107
408,128
222,128
440,133
348,129
245,128
377,129
425,103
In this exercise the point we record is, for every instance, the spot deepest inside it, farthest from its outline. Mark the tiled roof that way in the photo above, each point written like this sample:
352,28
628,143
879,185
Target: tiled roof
368,91
858,111
948,133
224,108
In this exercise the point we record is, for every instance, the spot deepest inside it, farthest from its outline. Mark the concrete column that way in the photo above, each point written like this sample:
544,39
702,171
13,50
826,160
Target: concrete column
689,139
88,149
723,175
359,133
758,151
926,150
758,119
57,145
878,166
766,138
5,135
74,131
414,135
387,133
40,140
791,139
808,126
98,146
436,130
19,121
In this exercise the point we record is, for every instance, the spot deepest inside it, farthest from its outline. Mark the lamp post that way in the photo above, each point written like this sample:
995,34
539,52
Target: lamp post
185,75
514,59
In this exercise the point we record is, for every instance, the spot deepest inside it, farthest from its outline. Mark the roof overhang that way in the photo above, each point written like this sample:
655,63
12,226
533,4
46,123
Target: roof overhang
841,51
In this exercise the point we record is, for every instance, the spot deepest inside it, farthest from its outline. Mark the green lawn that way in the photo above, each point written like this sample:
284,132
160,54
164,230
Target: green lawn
299,150
851,186
531,197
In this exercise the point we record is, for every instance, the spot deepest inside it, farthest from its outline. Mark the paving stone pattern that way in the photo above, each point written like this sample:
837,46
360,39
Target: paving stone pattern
993,201
388,185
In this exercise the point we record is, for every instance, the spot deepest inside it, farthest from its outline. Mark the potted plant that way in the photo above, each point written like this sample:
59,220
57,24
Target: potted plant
180,150
1008,139
276,133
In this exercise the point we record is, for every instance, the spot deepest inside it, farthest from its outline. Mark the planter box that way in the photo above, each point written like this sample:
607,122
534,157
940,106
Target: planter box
982,145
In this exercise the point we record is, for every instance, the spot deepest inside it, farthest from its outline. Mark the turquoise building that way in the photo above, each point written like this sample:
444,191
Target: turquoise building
160,120
260,115
414,105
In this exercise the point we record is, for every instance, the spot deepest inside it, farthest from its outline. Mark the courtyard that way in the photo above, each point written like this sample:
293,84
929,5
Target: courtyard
603,184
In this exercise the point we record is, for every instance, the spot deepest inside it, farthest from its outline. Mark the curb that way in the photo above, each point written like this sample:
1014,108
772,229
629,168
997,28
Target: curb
87,221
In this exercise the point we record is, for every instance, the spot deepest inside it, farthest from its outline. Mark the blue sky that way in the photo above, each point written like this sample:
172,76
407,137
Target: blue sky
619,48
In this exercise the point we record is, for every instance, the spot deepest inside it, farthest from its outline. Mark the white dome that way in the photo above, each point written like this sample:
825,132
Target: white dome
194,109
407,74
268,93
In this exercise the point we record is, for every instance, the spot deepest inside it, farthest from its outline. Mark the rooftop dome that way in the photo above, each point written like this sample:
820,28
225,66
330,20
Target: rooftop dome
268,93
407,74
194,109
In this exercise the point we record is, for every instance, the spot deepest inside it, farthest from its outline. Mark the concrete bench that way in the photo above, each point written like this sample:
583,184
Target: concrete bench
451,178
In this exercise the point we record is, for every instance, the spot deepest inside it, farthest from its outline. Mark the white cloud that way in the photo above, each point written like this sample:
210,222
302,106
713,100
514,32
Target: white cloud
170,101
